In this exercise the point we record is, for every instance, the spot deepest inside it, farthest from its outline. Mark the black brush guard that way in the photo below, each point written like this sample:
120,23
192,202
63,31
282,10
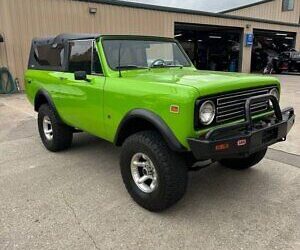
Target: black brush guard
244,139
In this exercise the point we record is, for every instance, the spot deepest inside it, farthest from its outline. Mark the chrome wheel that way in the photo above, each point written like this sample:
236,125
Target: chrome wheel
47,127
143,173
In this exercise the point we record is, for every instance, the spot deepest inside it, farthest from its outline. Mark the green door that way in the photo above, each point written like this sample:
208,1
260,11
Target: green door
81,101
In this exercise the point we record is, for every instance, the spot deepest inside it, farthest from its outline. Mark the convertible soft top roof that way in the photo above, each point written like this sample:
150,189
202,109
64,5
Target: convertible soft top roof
61,38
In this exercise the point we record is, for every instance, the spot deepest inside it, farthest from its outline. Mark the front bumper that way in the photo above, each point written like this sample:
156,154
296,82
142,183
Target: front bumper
241,140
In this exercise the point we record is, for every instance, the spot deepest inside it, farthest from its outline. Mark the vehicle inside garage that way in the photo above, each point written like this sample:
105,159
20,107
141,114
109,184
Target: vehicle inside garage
211,47
271,47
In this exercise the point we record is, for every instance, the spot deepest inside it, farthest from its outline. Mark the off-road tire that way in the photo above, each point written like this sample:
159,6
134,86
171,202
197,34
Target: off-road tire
170,167
244,163
62,134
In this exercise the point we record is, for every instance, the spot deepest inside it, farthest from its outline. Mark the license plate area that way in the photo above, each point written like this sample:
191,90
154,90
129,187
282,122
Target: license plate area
269,135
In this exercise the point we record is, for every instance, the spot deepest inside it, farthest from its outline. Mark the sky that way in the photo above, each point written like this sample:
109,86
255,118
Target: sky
204,5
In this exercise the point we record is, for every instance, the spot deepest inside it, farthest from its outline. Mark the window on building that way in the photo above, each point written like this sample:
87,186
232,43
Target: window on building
84,57
288,5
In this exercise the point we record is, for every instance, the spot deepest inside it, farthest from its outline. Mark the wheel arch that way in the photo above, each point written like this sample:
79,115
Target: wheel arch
141,119
43,97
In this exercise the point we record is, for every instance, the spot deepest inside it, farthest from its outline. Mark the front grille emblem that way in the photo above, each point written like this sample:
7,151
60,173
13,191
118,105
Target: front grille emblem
241,142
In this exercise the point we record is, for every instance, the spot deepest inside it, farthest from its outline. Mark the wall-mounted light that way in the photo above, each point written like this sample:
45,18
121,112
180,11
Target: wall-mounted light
92,10
1,39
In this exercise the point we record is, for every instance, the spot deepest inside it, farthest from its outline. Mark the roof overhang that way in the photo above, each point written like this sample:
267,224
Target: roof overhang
187,11
245,6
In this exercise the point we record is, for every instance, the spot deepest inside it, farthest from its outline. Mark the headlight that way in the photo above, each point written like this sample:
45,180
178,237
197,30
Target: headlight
207,112
274,92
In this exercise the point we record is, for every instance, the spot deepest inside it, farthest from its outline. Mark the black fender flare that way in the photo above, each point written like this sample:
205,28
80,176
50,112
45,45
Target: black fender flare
44,94
157,122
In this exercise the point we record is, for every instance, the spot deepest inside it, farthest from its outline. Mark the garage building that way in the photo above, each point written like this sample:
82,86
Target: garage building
214,41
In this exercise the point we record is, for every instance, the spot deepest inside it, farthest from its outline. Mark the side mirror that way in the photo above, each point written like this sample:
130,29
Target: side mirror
80,75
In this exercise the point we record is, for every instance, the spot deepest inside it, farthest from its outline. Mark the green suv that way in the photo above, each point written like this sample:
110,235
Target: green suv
144,94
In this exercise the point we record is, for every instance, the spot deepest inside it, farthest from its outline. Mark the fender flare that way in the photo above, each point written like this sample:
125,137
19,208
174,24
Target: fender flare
44,94
157,122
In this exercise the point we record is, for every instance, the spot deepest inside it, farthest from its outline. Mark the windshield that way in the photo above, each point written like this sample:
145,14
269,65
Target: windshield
143,54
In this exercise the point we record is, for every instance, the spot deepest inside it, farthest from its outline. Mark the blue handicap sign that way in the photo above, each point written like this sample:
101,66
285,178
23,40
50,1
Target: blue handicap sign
249,39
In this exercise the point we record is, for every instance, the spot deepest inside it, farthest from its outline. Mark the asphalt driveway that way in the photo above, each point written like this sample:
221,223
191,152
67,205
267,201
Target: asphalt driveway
76,199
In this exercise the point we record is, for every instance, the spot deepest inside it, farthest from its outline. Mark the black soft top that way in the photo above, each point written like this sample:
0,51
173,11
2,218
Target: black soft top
62,38
49,53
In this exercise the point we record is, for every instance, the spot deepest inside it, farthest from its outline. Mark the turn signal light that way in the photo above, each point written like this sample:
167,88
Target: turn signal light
174,109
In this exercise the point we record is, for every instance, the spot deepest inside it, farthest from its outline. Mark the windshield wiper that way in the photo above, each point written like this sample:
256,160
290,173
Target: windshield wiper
130,67
167,66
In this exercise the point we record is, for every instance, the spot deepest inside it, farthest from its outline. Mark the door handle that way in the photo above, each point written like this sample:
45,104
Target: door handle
29,81
62,78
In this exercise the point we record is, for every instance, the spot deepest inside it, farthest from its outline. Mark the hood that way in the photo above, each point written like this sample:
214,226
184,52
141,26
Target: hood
206,82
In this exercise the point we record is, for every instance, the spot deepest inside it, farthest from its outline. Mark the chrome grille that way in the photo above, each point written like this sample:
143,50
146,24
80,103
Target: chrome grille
232,106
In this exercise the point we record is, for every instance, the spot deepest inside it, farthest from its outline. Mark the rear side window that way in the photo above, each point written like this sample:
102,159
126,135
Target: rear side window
47,57
83,56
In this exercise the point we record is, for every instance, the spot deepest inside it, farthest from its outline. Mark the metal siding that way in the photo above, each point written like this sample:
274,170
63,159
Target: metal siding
24,19
3,61
271,11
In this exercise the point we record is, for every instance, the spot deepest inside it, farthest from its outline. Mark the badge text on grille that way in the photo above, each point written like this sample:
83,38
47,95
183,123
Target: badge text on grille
241,142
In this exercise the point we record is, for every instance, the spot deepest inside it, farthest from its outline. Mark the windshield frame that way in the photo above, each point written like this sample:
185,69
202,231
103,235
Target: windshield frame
144,38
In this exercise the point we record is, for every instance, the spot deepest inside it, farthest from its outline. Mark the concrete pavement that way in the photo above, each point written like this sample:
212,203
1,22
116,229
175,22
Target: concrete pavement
76,199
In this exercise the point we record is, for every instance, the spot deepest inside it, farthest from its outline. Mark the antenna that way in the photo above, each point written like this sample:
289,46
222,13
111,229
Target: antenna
119,67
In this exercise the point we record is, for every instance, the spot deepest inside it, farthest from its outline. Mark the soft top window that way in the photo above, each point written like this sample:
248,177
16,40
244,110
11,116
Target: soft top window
47,56
83,56
80,58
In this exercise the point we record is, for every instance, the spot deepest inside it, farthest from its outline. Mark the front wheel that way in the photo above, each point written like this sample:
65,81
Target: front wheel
154,176
244,163
55,135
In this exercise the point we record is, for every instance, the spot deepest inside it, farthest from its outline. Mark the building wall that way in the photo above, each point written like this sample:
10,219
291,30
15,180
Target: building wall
21,20
270,11
3,61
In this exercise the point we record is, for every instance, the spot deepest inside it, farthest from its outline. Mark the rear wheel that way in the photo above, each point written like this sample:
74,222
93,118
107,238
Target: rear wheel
244,163
154,176
55,135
